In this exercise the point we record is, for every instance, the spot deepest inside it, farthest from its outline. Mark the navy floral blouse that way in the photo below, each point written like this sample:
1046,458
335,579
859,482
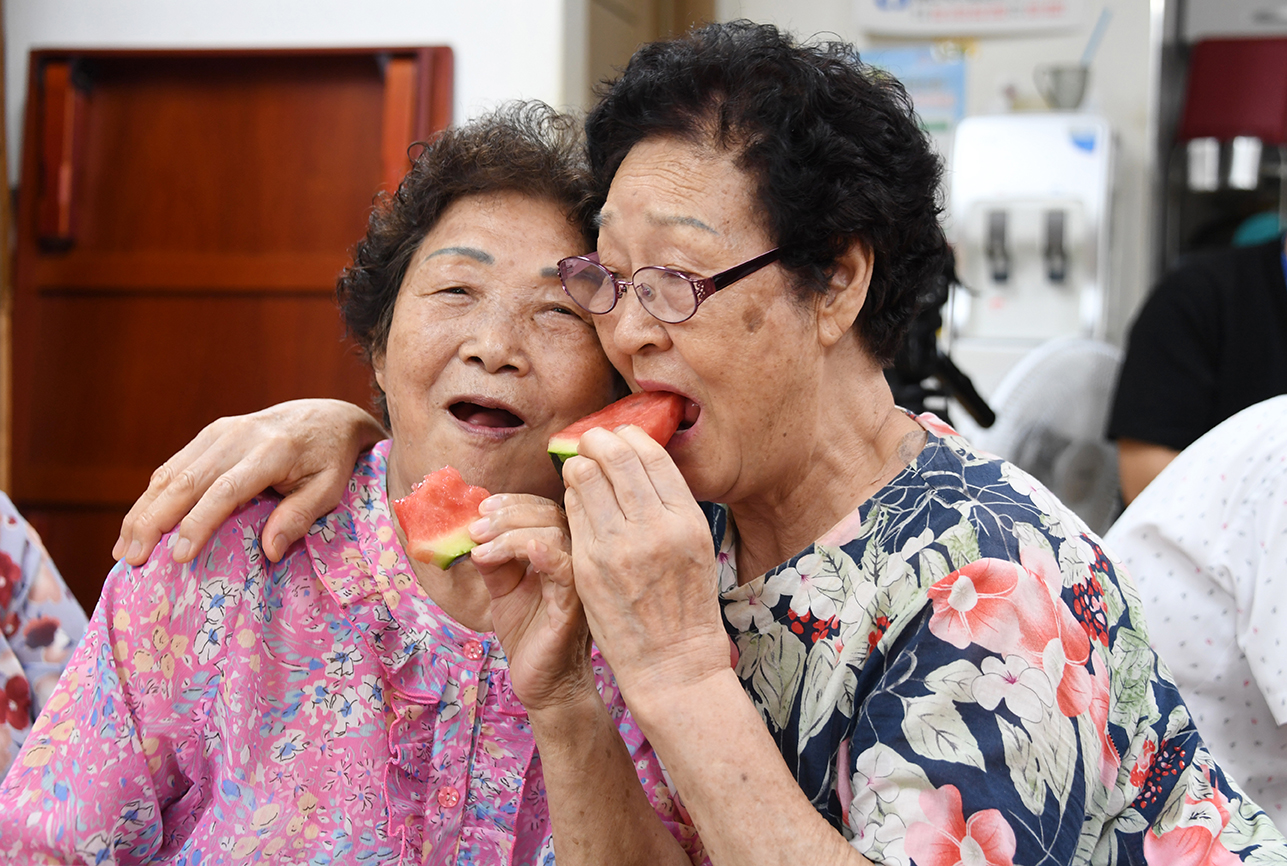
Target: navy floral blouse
959,673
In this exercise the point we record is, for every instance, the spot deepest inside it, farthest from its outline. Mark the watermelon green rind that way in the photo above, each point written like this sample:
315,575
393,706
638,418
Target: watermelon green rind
435,517
444,549
657,412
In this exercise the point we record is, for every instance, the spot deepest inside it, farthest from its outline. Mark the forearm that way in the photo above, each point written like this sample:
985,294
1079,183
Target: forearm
598,809
747,807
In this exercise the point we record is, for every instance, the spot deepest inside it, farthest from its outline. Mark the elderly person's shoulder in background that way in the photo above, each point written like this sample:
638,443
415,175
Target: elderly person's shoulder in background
40,625
1207,544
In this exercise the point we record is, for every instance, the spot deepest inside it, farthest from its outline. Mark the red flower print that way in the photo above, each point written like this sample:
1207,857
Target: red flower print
873,638
948,839
41,630
1140,771
10,576
797,622
17,702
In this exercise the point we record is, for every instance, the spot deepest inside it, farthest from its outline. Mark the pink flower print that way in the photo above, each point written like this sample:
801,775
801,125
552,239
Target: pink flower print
972,605
1109,761
948,839
1050,620
1197,841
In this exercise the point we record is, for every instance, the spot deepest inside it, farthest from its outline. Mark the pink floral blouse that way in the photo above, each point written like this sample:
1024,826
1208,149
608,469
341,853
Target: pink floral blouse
322,709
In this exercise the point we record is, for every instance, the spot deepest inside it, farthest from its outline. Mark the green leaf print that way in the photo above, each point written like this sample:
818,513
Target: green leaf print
1132,677
1042,757
935,730
954,681
829,685
1248,826
962,543
776,664
933,567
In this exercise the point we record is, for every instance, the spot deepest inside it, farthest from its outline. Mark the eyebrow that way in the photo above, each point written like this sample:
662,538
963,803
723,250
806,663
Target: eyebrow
601,219
469,252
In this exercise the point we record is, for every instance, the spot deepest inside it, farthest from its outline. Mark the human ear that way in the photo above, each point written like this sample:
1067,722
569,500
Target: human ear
838,309
377,365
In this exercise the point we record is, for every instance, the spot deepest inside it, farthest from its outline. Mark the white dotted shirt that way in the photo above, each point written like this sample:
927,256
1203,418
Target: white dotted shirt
1207,544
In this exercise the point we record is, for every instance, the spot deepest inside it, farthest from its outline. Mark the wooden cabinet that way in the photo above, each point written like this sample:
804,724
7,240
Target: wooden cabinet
181,219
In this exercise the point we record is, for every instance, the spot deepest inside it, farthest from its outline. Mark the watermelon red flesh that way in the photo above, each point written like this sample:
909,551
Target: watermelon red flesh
657,412
436,517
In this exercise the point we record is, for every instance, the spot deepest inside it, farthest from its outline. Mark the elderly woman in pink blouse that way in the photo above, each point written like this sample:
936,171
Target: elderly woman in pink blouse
348,704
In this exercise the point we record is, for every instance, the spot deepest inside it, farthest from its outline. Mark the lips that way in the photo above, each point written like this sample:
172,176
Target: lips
481,415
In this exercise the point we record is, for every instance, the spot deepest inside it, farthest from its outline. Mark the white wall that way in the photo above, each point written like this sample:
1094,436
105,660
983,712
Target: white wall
1120,89
504,49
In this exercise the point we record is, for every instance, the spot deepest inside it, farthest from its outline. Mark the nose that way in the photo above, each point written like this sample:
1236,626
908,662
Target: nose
497,343
633,329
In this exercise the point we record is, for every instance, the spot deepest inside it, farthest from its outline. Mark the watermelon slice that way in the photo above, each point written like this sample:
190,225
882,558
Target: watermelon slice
436,517
657,412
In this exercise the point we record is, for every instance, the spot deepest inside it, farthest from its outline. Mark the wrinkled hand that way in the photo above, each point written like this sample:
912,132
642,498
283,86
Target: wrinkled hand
524,559
305,449
644,563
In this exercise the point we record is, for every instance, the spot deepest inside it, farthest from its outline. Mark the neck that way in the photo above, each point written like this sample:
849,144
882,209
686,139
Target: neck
858,442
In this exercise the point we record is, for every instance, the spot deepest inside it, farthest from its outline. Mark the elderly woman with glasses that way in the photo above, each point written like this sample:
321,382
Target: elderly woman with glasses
932,659
347,704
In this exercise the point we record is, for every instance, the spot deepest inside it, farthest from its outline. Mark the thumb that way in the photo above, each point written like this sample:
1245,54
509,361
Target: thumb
553,562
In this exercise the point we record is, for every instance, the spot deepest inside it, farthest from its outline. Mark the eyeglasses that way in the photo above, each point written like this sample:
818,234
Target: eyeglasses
666,293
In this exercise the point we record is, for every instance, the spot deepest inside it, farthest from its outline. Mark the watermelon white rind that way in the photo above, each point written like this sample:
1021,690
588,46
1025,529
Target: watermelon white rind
657,412
435,517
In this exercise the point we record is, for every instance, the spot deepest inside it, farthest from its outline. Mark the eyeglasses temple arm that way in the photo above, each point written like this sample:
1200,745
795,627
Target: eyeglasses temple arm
733,274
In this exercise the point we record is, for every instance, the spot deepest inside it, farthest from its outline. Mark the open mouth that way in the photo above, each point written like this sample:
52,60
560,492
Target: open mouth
691,413
485,416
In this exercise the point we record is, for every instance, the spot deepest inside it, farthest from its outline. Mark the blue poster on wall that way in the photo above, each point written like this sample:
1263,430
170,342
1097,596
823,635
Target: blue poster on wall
934,76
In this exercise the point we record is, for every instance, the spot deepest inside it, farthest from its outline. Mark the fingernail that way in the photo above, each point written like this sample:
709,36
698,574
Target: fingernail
136,547
619,428
277,544
491,503
482,550
181,549
119,547
480,526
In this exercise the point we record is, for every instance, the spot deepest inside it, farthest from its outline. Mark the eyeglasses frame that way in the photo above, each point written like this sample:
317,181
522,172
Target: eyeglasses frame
703,287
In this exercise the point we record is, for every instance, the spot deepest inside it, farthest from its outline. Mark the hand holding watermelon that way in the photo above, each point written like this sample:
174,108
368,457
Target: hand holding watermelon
525,559
645,569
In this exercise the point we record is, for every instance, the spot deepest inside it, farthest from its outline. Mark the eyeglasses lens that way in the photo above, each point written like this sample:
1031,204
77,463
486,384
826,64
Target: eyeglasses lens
589,284
667,296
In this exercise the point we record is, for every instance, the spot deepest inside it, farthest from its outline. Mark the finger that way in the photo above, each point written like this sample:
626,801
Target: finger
667,480
315,497
555,562
513,544
625,472
204,480
598,514
221,497
508,511
145,522
501,578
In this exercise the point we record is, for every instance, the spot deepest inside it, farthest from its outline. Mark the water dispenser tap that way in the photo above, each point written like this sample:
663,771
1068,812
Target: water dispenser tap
1056,253
998,256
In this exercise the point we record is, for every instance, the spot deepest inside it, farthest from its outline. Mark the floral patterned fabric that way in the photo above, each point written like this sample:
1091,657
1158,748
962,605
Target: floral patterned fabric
40,625
319,710
958,673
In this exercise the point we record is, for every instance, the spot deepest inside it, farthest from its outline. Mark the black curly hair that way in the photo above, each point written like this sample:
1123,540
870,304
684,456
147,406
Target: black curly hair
522,147
831,144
